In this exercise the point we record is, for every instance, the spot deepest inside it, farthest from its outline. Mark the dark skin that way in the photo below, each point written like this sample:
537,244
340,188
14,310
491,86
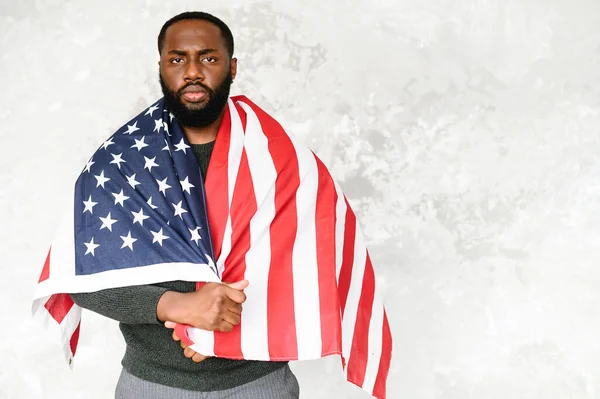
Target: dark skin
194,51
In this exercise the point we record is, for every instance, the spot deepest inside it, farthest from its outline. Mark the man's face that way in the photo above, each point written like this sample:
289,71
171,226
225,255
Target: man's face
196,72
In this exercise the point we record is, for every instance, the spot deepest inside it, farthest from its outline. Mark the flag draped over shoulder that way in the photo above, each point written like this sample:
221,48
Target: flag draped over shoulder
269,212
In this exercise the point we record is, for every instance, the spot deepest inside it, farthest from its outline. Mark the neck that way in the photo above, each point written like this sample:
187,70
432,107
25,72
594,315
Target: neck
203,135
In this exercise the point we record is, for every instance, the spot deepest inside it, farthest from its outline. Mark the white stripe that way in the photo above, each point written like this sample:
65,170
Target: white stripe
304,259
204,341
151,274
236,145
340,213
254,337
349,320
375,343
62,254
68,326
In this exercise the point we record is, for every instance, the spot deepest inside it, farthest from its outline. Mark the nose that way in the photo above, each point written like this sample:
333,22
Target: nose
193,71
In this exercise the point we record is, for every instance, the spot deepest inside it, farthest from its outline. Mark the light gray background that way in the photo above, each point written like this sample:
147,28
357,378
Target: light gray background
466,134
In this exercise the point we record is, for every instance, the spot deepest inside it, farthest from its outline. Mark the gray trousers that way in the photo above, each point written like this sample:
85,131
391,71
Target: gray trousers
280,384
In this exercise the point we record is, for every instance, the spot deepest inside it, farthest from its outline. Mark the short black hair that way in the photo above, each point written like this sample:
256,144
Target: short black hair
225,31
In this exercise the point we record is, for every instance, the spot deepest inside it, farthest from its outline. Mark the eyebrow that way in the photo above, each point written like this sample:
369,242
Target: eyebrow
201,52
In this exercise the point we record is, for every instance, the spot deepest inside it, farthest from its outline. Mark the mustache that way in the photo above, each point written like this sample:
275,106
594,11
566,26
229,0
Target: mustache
195,83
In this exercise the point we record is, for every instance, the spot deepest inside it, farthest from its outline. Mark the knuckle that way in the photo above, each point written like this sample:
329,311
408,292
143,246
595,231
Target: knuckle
213,324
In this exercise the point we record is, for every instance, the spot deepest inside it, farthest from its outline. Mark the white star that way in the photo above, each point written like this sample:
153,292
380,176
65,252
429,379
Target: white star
107,222
128,241
107,143
120,198
139,144
195,235
179,211
117,159
182,146
131,180
158,236
150,163
163,186
158,123
186,185
90,247
89,165
166,127
100,179
151,110
89,205
149,202
171,116
139,217
132,128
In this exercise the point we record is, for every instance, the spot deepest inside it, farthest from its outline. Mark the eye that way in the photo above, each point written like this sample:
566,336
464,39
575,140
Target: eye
209,59
176,60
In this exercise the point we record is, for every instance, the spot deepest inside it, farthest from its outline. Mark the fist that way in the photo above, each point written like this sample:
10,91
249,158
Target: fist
187,351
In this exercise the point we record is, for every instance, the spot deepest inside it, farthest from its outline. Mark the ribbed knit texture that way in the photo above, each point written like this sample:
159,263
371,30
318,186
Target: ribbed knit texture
151,354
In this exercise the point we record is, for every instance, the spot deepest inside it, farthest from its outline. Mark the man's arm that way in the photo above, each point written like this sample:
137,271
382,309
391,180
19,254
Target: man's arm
132,305
215,307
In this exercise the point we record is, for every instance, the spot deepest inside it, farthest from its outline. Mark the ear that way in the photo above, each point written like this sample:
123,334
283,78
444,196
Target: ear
233,67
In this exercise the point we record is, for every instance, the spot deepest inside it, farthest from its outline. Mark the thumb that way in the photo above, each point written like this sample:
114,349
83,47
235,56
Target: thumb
238,285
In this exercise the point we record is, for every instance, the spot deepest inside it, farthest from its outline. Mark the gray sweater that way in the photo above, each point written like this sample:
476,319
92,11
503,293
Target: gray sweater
151,353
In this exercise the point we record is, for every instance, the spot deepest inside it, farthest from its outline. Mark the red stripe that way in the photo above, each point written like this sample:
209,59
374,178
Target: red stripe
216,185
359,354
347,257
243,207
46,270
75,339
58,305
325,215
281,321
384,361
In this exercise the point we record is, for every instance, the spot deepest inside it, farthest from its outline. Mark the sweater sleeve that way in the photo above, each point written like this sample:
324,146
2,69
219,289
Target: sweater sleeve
131,305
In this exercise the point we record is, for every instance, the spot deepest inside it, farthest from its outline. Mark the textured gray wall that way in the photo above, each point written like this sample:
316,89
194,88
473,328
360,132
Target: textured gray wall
466,134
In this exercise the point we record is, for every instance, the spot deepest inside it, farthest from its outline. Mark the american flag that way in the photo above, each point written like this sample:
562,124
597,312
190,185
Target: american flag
269,213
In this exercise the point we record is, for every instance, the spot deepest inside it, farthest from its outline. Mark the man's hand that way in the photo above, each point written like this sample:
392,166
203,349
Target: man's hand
214,307
187,351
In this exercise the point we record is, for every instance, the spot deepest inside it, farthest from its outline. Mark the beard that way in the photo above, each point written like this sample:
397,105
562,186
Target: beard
206,113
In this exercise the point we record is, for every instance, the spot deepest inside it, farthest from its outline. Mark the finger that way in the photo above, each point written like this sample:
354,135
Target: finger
170,324
234,308
232,318
229,305
188,352
235,295
238,285
225,326
182,344
197,358
175,337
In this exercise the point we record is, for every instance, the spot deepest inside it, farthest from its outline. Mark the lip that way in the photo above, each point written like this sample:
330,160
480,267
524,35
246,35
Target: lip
194,94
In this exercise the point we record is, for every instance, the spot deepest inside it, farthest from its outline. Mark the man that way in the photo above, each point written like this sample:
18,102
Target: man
137,237
196,72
